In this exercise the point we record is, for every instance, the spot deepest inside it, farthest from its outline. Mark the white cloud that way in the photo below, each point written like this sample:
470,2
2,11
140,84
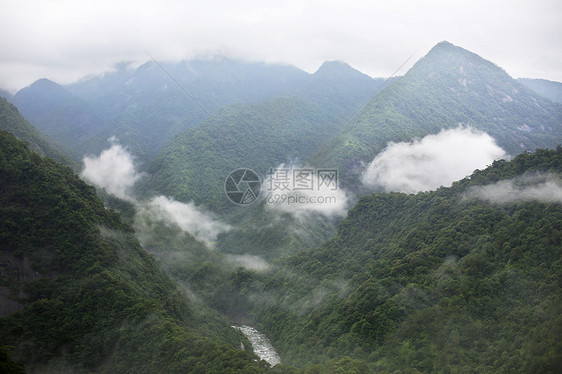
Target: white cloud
542,188
303,191
434,161
64,40
247,261
113,170
187,216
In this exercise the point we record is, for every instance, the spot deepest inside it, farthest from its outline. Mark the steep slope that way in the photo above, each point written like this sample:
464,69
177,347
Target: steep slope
5,94
145,108
258,136
448,87
465,278
56,112
549,89
12,121
80,295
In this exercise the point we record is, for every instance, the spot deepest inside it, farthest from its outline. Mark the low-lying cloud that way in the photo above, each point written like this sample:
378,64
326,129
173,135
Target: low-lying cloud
187,216
304,191
249,262
434,161
546,188
113,170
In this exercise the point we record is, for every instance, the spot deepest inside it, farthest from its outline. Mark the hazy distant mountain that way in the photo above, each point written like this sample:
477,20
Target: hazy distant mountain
5,94
259,136
145,107
448,87
12,121
549,89
56,112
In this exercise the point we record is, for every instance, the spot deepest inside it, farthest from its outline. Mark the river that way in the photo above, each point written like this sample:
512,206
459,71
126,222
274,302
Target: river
261,344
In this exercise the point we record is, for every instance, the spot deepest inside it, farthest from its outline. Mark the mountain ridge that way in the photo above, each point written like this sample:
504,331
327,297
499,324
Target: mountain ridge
447,87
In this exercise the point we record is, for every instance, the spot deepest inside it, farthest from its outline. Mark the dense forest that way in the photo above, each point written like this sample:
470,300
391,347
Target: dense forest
445,281
88,297
12,121
465,278
448,87
442,281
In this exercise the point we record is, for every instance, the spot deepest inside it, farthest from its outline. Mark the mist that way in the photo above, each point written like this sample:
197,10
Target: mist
113,170
322,198
249,262
544,188
433,161
187,216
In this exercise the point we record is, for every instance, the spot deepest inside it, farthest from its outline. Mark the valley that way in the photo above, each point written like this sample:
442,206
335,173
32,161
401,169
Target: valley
436,246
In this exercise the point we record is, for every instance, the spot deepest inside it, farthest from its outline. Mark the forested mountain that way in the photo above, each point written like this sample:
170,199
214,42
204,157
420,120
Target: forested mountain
5,94
144,107
448,87
80,295
12,121
465,278
258,136
461,279
549,89
57,113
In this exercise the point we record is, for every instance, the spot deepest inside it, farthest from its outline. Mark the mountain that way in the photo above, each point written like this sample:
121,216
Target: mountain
145,107
214,83
57,113
465,278
549,89
258,136
80,295
449,87
5,94
12,121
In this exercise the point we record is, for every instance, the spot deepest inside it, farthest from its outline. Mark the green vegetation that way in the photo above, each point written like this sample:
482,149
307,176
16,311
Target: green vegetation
549,89
440,281
259,136
57,113
448,87
143,107
92,300
433,282
12,121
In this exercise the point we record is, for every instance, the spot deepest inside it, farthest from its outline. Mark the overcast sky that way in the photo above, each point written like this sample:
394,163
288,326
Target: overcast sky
67,40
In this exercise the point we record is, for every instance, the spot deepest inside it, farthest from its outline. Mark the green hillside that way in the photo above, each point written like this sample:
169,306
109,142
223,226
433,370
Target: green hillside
549,89
80,295
257,136
449,87
57,113
435,282
144,107
12,121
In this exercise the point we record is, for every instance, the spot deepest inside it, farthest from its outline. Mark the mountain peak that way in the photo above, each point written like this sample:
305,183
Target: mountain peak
445,48
331,67
337,70
445,45
447,59
45,83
